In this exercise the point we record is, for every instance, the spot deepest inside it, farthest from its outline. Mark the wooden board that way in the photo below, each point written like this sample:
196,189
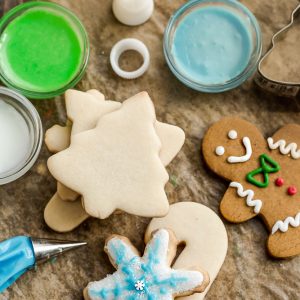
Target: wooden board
248,272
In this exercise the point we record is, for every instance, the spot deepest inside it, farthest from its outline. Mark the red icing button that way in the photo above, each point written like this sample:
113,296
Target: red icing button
292,190
279,181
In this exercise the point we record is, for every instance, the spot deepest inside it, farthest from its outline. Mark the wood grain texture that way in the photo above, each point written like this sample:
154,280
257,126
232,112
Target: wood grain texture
248,272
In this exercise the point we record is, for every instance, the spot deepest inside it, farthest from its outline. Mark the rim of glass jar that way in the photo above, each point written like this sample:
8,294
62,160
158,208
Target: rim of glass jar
27,108
235,81
18,10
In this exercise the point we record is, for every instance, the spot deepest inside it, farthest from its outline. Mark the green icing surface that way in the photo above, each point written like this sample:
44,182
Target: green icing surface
40,50
267,166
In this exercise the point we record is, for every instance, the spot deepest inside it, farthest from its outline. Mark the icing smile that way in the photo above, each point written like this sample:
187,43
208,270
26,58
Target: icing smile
244,158
232,134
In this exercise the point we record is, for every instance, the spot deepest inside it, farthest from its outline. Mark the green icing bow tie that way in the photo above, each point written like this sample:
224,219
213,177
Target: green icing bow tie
267,165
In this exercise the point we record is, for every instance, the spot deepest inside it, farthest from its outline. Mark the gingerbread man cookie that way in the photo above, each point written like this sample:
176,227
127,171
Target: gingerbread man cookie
263,175
147,277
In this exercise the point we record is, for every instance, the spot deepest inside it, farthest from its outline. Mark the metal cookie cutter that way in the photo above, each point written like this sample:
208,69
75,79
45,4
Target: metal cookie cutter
281,88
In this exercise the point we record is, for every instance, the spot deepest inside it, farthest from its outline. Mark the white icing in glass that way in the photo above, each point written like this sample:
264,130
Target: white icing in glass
285,148
283,226
244,158
249,194
15,140
232,134
220,150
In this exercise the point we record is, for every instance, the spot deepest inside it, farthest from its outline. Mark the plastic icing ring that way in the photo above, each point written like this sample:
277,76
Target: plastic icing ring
125,45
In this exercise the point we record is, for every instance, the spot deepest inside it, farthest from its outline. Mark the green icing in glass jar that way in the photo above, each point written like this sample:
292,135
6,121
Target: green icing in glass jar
42,50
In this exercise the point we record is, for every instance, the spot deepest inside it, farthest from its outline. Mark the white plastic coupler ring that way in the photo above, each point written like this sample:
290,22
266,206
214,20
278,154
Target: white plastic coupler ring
125,45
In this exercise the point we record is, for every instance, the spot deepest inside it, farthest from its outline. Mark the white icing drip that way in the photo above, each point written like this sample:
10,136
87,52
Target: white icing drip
220,150
244,158
283,226
284,148
249,194
232,134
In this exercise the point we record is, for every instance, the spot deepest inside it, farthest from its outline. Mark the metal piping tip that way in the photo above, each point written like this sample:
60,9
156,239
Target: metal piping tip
45,249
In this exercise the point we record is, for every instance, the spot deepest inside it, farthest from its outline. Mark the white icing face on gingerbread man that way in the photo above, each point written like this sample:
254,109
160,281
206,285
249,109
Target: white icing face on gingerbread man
232,134
263,175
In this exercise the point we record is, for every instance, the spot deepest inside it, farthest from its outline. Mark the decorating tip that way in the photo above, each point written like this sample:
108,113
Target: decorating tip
45,249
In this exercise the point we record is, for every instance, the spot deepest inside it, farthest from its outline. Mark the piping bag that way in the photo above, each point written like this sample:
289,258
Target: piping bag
21,253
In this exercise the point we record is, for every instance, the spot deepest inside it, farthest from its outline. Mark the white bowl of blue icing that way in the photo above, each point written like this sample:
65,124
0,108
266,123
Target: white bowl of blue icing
21,135
212,46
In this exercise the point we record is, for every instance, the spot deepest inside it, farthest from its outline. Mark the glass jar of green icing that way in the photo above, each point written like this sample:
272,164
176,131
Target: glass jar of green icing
44,49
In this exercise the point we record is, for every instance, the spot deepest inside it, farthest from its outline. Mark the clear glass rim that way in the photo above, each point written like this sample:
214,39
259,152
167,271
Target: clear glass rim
36,123
233,82
15,12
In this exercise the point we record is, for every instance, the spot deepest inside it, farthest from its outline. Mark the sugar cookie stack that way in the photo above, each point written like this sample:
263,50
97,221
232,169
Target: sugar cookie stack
109,156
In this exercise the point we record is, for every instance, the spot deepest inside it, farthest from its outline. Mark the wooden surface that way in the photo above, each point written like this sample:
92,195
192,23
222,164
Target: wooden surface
248,272
5,5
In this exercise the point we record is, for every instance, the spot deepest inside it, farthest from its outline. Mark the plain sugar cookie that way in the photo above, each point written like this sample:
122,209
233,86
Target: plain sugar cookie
171,138
64,216
116,165
85,111
203,233
57,138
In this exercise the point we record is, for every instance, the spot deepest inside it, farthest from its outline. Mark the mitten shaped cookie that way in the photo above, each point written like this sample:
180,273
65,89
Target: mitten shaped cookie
264,178
147,277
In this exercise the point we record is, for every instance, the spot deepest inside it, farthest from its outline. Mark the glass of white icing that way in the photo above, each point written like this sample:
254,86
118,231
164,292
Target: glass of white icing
21,135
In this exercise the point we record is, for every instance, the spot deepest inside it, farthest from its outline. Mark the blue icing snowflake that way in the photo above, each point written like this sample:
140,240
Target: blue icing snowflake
143,278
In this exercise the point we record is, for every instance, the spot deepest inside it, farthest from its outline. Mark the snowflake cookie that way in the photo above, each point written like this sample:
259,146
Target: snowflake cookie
147,277
264,178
